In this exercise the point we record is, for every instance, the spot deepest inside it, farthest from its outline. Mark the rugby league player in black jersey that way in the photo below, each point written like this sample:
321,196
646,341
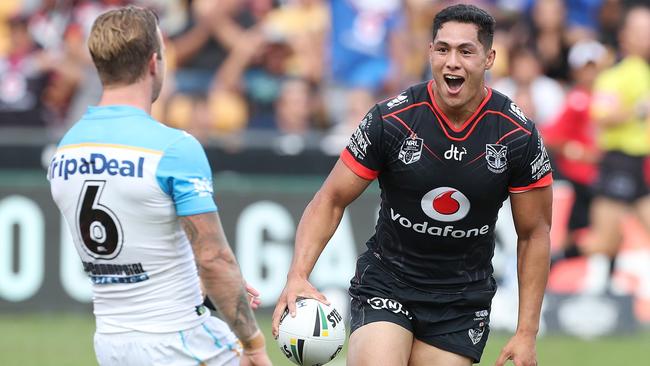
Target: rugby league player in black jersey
446,153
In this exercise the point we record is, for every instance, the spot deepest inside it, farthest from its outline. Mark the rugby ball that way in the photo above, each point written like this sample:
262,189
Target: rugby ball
314,336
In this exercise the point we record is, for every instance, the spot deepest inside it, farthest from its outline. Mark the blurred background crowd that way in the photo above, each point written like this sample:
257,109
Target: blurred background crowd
290,66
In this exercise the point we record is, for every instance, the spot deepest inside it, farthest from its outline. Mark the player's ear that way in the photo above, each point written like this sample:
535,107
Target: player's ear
153,66
491,56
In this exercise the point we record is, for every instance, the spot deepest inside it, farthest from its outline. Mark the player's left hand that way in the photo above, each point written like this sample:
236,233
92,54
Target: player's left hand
520,349
253,296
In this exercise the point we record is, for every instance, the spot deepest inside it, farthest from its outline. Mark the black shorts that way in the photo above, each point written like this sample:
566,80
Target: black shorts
583,195
453,319
621,177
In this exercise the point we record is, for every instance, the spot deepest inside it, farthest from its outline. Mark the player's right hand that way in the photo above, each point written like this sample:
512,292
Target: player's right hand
296,287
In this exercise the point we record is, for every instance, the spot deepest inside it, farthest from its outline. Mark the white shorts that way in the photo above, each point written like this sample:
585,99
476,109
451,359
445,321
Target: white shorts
209,344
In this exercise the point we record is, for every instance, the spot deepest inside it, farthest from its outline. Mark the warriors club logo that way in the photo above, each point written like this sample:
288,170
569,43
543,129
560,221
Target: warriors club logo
496,156
445,204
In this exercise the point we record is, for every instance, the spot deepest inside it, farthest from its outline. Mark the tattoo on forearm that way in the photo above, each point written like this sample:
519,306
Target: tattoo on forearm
190,229
244,321
220,274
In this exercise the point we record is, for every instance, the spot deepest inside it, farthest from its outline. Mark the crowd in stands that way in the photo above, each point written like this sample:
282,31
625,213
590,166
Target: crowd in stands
291,66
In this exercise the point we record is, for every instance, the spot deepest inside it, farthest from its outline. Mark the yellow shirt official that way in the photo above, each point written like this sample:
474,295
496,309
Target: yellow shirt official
625,86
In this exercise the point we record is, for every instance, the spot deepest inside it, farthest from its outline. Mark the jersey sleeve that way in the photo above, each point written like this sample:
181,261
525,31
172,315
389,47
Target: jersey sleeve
185,175
363,155
533,169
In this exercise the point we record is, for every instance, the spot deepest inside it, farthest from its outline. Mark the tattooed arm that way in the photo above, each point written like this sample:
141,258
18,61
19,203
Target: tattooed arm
221,277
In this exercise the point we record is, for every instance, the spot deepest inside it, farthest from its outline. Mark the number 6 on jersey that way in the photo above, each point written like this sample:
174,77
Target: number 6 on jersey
101,231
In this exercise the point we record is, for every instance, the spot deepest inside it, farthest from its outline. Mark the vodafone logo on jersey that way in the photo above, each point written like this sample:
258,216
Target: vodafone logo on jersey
445,204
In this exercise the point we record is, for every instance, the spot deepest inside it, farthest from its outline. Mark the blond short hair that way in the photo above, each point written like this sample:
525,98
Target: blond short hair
121,43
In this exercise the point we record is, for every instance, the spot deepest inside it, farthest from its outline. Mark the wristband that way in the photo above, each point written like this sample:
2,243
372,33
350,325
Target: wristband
254,344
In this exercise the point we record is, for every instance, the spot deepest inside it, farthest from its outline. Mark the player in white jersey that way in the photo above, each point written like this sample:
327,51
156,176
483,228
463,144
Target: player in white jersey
137,197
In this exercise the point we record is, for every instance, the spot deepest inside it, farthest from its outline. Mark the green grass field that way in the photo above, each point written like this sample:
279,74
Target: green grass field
66,340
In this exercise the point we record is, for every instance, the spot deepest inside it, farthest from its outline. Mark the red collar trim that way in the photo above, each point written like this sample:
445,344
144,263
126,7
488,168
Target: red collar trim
444,117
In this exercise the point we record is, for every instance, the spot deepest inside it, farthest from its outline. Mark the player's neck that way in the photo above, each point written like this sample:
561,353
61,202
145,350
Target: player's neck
136,95
458,115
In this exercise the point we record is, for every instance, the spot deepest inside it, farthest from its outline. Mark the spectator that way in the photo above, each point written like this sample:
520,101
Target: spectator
23,79
582,18
621,109
199,50
255,69
212,29
293,116
548,38
570,137
293,107
362,37
304,24
76,84
539,96
609,19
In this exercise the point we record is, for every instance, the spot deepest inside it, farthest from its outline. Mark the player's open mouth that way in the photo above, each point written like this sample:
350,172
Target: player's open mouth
454,83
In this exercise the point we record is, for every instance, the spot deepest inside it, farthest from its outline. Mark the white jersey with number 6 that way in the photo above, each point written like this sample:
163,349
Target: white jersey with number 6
121,179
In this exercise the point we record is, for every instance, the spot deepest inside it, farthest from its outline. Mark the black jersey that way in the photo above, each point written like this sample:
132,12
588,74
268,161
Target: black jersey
442,186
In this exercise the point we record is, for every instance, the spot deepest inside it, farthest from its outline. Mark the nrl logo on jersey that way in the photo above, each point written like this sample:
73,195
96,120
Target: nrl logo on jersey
496,156
411,150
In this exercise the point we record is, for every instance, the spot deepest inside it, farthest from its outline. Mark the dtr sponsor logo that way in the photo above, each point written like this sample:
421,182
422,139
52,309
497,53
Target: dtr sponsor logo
455,153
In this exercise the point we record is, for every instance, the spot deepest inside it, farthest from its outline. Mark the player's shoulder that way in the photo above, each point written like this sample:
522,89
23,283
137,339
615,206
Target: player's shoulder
508,111
414,94
122,126
170,134
178,142
156,135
